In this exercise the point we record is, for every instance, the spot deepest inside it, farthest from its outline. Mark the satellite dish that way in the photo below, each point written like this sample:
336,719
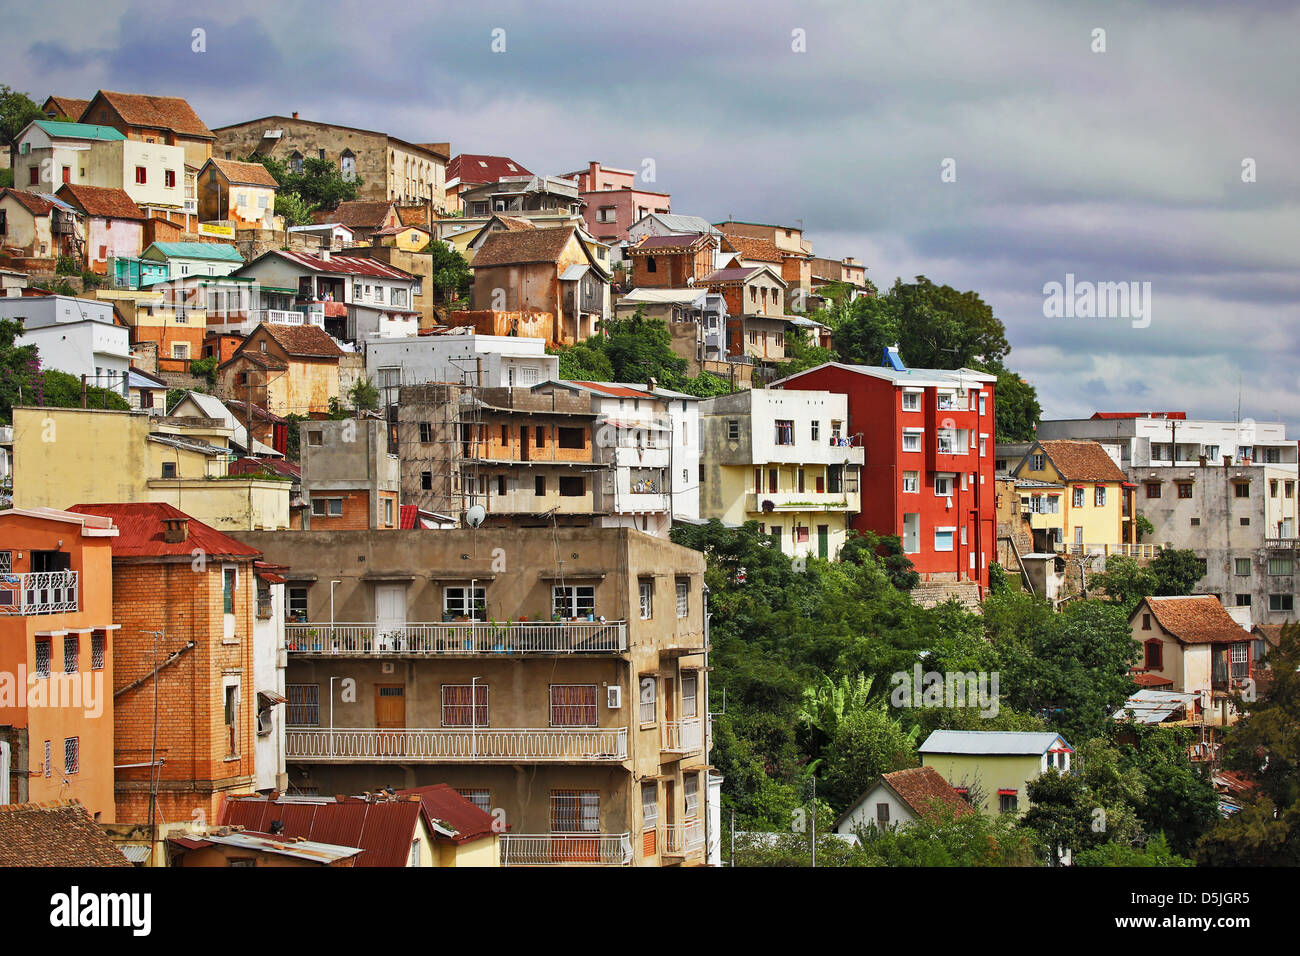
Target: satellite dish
475,515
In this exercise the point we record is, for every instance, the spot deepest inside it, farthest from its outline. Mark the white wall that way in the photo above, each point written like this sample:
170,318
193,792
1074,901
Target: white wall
268,675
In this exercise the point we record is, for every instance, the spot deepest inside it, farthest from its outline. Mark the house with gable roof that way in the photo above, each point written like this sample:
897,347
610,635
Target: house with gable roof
286,369
239,193
111,226
997,764
1097,499
899,799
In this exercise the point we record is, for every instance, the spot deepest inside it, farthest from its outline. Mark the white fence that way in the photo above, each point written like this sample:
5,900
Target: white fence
442,745
682,736
566,849
528,637
41,592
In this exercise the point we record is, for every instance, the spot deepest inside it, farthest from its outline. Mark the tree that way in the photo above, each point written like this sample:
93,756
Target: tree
55,389
16,111
363,395
584,362
1156,852
295,210
206,369
1016,410
868,742
1176,572
451,275
640,349
1060,812
885,550
320,185
801,354
18,366
1125,581
972,839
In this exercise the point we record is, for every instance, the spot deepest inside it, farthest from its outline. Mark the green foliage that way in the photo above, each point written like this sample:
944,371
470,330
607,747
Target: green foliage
295,210
363,395
704,385
1176,572
584,362
6,178
1016,410
887,550
867,743
1125,581
1144,527
451,273
293,436
16,111
206,369
320,185
67,266
1156,853
55,389
18,366
973,839
999,582
801,354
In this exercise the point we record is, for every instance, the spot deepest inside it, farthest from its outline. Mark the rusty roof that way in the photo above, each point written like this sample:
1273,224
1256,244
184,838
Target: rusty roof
1082,460
923,790
245,174
300,341
523,247
361,213
471,168
340,265
156,112
761,250
1195,619
413,216
1152,680
100,201
33,203
55,833
734,274
67,106
383,829
140,532
445,809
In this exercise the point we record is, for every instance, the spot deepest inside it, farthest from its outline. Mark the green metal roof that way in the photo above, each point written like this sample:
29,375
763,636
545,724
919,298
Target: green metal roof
79,130
197,250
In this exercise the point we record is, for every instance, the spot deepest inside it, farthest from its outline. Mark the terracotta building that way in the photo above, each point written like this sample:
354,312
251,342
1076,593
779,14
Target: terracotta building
554,677
242,194
168,120
57,641
186,596
286,369
111,226
671,262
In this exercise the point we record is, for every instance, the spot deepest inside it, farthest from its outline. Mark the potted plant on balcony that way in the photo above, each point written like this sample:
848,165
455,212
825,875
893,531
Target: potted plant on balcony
314,635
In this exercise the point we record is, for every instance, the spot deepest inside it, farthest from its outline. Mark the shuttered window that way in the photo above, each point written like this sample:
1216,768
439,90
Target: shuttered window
573,705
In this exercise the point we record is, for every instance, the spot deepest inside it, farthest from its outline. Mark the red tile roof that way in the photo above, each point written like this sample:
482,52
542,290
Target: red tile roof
413,216
760,250
473,168
447,808
305,341
99,201
1152,680
30,201
925,791
251,466
57,833
383,829
616,390
1082,461
406,516
244,174
525,247
360,213
156,112
734,274
1195,619
140,532
67,106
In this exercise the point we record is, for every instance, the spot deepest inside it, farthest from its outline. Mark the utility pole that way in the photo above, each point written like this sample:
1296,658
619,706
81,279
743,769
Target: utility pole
83,390
814,822
153,757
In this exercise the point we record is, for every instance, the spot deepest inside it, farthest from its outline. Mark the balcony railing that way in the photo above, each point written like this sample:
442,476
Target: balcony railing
566,849
526,637
445,746
802,500
1282,544
682,839
682,736
41,592
1127,550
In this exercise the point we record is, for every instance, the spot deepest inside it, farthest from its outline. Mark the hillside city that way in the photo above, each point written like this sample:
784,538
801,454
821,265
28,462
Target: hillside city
368,503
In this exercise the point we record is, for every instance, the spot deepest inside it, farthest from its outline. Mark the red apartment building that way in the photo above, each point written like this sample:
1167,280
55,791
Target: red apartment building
613,201
928,474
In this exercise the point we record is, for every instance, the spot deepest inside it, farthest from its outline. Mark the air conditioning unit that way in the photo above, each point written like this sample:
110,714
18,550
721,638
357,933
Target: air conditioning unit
614,697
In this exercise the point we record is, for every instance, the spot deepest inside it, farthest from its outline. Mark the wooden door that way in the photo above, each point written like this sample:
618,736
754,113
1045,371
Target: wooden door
390,714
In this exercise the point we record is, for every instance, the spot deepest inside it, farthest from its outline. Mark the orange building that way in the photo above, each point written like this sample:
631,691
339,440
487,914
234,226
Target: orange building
56,656
186,596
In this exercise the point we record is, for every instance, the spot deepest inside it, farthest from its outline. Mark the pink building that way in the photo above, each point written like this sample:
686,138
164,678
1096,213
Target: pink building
113,224
613,201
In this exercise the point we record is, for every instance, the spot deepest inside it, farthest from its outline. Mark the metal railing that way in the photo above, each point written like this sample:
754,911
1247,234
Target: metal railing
452,639
682,839
1127,550
1282,544
682,736
41,592
438,745
566,849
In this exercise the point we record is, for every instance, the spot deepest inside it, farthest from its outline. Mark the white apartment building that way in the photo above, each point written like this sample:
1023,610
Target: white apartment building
1169,438
785,459
462,358
73,335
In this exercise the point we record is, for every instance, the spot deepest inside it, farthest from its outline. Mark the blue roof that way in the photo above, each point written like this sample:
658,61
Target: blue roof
197,250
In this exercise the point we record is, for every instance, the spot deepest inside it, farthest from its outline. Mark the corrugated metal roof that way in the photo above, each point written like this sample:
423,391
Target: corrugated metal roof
198,250
79,130
1150,706
384,830
140,532
344,265
990,742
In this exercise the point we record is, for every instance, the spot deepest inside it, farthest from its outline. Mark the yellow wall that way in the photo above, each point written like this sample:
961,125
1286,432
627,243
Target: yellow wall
737,490
1101,525
990,773
481,852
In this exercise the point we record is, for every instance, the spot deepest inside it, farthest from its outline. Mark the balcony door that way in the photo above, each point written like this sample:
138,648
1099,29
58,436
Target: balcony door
390,615
390,714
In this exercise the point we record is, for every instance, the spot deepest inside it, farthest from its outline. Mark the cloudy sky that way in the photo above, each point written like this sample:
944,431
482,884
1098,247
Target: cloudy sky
1117,166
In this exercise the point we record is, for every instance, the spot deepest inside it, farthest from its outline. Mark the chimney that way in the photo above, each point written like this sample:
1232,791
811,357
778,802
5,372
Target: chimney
325,255
176,530
295,114
593,169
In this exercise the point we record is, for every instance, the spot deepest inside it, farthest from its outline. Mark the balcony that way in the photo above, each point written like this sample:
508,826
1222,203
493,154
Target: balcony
785,501
1282,544
566,849
682,736
42,592
486,745
683,839
456,640
1126,550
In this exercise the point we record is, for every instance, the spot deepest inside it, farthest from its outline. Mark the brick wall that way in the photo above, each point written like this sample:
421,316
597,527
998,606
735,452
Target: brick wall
356,512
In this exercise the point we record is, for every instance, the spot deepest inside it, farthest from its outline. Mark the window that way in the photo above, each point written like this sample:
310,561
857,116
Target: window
571,602
733,430
683,597
1101,497
539,485
572,438
297,604
229,578
1008,801
1290,489
911,401
315,438
140,175
426,481
983,446
1196,522
1281,602
323,507
71,754
426,433
648,691
1154,655
982,406
231,716
650,808
1272,487
1243,600
943,539
98,642
572,486
911,441
942,486
34,178
882,815
690,692
48,765
1153,489
456,708
1281,566
481,797
1184,489
1078,498
180,350
169,178
573,705
784,432
303,709
911,482
647,594
1242,566
575,811
1245,522
463,601
71,654
1241,489
691,795
169,469
1037,462
945,445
